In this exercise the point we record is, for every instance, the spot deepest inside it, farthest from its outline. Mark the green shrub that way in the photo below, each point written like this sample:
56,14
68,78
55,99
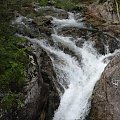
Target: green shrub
12,100
12,67
66,4
43,2
13,58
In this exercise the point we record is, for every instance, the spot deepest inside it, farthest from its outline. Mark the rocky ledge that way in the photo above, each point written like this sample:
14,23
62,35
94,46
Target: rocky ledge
41,92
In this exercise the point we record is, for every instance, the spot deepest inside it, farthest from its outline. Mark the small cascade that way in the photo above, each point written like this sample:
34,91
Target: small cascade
70,22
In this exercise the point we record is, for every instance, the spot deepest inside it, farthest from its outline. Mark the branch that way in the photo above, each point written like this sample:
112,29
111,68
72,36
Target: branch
117,8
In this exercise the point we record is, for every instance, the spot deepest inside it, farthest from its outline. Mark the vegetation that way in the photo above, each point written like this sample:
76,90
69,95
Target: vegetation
12,58
43,2
63,4
67,4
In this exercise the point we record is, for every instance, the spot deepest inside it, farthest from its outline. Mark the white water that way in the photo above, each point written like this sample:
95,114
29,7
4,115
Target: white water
80,75
70,22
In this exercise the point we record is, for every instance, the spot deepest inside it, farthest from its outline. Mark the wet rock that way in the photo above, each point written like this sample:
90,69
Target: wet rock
40,87
44,24
51,2
52,11
42,21
106,95
26,27
104,43
72,32
33,28
113,29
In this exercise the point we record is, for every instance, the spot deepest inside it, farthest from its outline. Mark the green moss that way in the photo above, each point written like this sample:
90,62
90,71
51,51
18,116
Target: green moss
66,5
12,100
12,69
43,2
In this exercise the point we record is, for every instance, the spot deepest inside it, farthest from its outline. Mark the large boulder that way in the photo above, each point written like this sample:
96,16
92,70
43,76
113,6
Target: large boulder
106,95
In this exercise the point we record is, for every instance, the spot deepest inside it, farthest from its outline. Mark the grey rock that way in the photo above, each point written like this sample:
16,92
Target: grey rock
106,95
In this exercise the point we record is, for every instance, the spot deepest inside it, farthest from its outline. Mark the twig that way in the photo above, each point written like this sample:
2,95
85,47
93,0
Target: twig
117,8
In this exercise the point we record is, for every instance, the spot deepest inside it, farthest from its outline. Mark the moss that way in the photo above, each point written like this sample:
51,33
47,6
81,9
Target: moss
43,2
66,4
12,100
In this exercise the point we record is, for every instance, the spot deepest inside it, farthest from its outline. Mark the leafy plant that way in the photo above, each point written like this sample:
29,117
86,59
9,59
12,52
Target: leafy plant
43,2
11,100
13,58
66,4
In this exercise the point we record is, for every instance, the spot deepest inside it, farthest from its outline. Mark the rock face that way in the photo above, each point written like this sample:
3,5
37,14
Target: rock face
41,97
106,95
106,11
103,15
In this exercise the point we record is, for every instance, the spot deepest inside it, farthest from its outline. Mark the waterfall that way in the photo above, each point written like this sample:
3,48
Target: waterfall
76,73
79,76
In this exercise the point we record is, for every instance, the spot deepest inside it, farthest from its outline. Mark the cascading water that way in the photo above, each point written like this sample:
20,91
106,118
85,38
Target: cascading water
80,77
78,74
70,22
